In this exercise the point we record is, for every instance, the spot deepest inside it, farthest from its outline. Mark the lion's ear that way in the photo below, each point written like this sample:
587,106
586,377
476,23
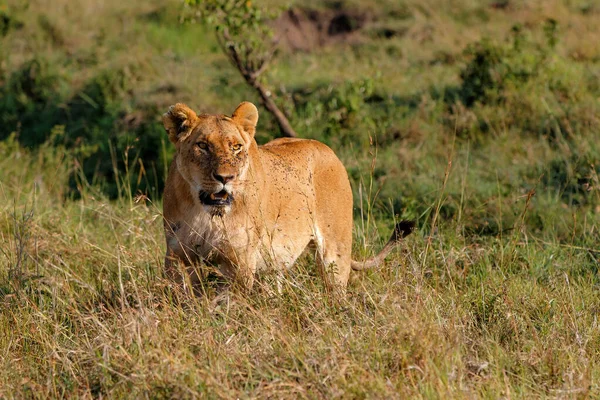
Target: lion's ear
246,115
178,120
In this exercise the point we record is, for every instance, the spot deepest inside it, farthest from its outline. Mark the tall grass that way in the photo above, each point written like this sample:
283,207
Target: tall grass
86,310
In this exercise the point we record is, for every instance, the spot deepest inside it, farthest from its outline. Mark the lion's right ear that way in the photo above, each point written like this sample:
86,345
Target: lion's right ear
178,120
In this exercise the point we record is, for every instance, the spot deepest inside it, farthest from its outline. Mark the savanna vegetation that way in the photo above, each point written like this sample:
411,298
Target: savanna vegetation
479,119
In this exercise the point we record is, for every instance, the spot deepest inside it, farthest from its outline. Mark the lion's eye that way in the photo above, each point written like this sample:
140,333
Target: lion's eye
236,147
202,146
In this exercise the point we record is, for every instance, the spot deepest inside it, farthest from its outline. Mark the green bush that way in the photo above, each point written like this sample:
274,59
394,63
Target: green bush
525,84
353,112
30,101
8,21
492,68
96,119
573,178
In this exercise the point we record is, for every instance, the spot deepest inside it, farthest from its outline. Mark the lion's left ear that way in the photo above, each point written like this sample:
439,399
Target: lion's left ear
246,115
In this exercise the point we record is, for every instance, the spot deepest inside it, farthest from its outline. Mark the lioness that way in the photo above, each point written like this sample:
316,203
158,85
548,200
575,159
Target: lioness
242,207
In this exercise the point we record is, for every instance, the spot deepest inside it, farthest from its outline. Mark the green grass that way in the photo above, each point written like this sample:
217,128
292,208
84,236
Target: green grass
495,295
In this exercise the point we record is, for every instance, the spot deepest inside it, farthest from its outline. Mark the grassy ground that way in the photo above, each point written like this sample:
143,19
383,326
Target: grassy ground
478,119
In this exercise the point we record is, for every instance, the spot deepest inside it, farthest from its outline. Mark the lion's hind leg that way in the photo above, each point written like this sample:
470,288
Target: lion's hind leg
333,260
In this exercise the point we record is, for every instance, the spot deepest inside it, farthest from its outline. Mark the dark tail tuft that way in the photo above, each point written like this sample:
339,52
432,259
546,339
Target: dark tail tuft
403,229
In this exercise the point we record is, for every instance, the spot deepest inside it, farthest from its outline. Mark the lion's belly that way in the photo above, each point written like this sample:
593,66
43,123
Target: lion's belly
285,235
281,251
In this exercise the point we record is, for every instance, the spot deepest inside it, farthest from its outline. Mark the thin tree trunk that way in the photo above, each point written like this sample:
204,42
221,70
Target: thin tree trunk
251,72
267,101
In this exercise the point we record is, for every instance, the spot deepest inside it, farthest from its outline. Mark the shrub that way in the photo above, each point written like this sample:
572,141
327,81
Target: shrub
524,84
35,99
573,178
350,112
492,68
29,101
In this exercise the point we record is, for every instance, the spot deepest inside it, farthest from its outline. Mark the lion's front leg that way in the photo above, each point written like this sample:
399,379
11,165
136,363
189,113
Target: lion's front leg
182,268
238,255
238,266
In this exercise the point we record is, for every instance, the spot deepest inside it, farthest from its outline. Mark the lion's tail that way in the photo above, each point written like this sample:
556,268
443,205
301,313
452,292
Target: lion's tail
401,230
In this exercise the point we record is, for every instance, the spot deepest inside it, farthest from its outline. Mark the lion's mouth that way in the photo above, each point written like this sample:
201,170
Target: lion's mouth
221,198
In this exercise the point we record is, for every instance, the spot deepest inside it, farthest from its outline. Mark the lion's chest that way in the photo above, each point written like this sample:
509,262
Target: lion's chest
211,238
195,236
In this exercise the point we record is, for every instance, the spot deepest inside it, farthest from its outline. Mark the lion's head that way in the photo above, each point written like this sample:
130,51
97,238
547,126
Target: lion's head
213,152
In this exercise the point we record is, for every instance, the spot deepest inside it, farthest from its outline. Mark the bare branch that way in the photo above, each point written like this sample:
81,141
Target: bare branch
251,74
244,38
265,61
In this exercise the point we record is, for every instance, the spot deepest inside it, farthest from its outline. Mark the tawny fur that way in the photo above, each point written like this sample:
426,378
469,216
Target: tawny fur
286,194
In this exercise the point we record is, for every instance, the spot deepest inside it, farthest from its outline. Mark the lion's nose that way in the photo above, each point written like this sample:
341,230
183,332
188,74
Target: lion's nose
223,178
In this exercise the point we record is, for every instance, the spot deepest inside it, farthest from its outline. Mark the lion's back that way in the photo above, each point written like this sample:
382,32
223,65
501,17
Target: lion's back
305,163
301,152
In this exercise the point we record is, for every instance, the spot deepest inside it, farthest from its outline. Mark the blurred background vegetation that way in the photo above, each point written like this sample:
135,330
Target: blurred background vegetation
508,91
